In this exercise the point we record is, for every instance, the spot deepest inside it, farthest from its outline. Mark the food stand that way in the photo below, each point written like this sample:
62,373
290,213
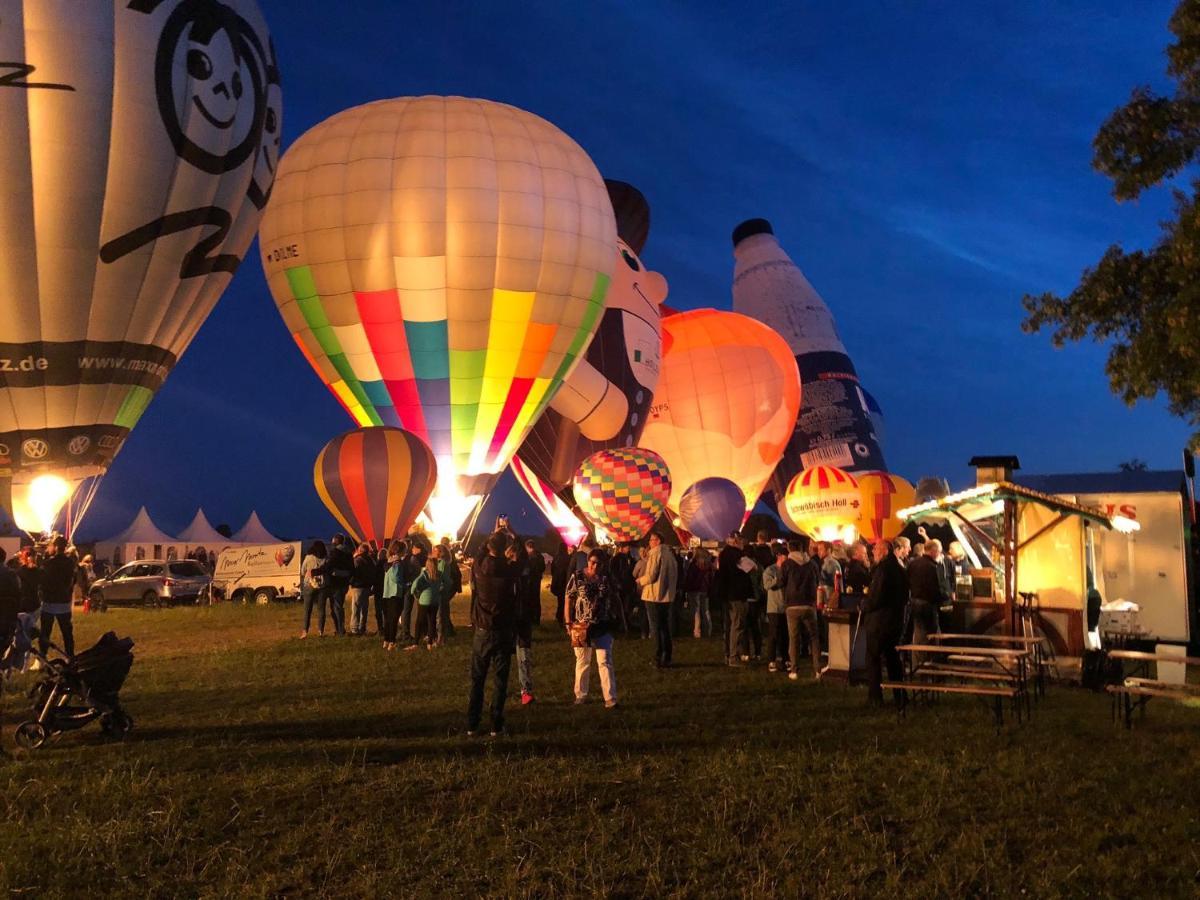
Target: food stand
1037,555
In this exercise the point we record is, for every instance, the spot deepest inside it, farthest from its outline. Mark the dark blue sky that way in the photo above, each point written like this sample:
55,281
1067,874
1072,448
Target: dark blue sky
924,163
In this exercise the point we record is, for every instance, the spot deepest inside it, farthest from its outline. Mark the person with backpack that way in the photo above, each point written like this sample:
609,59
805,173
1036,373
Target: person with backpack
590,618
392,594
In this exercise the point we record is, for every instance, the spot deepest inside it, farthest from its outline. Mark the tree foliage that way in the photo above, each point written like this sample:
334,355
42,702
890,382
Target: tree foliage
1146,303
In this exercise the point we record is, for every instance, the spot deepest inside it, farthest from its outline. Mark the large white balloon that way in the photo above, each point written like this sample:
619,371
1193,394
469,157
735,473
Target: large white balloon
138,149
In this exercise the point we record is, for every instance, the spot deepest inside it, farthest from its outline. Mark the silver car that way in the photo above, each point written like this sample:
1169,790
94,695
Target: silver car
151,583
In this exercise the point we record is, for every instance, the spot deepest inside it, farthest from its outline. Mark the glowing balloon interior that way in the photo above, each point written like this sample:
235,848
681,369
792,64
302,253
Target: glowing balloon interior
560,516
726,403
881,494
442,263
138,151
823,502
623,491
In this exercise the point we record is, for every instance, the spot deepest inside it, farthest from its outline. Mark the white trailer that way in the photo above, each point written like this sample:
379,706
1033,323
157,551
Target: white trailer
259,572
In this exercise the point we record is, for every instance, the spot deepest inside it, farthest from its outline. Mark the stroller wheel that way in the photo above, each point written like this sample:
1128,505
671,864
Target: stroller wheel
116,724
31,735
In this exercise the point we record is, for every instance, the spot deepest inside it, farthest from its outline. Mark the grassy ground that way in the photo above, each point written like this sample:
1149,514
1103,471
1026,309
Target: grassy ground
266,766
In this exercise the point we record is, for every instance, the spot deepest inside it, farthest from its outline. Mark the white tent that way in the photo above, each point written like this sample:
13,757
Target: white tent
254,532
200,535
141,540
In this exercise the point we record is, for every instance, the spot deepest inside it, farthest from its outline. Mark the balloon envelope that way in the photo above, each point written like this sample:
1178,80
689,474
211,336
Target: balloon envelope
712,508
881,495
824,502
375,481
139,142
557,513
726,401
603,403
623,491
442,263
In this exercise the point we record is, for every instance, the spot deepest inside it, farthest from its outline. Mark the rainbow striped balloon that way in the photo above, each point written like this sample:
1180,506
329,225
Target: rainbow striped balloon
375,481
623,491
442,263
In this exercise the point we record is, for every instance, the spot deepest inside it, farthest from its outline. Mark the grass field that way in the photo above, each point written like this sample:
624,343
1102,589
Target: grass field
262,765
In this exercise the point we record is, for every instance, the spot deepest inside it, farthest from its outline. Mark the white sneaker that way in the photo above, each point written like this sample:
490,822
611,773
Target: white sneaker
794,676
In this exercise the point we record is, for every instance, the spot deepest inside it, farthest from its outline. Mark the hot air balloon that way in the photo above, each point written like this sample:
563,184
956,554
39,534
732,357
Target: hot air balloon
138,148
712,508
726,401
375,481
623,491
603,403
881,495
559,515
442,263
823,502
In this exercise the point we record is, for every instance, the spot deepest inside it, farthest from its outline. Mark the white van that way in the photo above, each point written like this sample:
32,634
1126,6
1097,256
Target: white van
259,572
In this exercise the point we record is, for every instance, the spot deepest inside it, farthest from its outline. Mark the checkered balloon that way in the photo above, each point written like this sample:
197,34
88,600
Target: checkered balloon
623,491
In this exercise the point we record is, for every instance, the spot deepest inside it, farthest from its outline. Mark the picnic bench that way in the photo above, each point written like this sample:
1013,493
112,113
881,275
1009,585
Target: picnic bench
990,673
1034,643
1138,689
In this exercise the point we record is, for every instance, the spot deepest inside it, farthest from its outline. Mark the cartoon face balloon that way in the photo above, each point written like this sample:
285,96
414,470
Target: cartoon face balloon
603,404
726,401
132,133
442,262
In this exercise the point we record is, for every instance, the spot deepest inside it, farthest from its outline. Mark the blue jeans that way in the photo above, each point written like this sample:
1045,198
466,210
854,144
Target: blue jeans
337,608
318,597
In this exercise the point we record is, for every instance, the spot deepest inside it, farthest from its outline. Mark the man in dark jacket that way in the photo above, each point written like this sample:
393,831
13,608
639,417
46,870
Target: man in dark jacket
735,587
58,583
10,602
799,578
494,615
338,569
30,577
925,592
537,571
884,619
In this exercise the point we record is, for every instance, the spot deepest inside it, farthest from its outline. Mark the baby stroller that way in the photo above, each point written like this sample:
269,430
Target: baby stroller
70,693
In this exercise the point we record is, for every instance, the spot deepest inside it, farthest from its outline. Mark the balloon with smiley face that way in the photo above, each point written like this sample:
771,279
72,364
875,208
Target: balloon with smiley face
604,402
138,150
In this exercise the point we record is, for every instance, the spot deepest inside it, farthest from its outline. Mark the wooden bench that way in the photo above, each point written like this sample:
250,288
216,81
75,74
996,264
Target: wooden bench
1136,692
997,694
975,672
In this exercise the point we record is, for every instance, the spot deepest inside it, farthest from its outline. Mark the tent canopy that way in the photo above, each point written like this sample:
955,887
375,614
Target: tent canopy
254,532
200,531
982,502
141,530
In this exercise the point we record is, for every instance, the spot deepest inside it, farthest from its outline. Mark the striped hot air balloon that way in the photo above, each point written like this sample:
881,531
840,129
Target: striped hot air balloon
375,481
881,495
823,502
623,491
442,263
548,502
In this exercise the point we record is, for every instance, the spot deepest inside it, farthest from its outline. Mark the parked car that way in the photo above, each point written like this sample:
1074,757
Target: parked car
151,583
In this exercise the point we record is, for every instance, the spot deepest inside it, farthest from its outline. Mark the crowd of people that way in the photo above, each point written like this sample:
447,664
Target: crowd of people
38,587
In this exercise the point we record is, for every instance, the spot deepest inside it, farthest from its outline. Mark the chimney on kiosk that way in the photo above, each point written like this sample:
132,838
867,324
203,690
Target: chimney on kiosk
991,469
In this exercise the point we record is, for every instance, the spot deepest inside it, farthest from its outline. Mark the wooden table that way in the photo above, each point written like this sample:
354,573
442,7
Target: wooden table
1006,665
1138,689
1031,642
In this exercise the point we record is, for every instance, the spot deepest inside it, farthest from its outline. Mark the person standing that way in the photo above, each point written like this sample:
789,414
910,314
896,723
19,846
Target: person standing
10,603
414,564
697,585
452,587
85,574
800,578
338,569
902,547
658,582
857,577
830,586
528,610
537,572
733,575
560,571
314,587
590,616
883,620
392,593
427,589
623,585
493,613
362,578
58,582
30,577
381,564
772,581
925,592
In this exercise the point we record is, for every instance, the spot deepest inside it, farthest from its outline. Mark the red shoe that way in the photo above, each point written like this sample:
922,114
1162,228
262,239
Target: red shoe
526,698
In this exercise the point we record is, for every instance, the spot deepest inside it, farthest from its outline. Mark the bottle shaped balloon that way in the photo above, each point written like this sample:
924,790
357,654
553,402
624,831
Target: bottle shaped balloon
138,149
442,263
835,426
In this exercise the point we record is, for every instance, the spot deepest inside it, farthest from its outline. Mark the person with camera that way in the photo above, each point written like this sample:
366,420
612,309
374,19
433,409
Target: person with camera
494,616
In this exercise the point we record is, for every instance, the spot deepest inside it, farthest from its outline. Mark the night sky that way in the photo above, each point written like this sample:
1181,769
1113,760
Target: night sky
925,164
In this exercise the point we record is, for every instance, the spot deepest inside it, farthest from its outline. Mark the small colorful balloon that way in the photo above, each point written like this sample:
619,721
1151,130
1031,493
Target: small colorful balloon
623,491
712,508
